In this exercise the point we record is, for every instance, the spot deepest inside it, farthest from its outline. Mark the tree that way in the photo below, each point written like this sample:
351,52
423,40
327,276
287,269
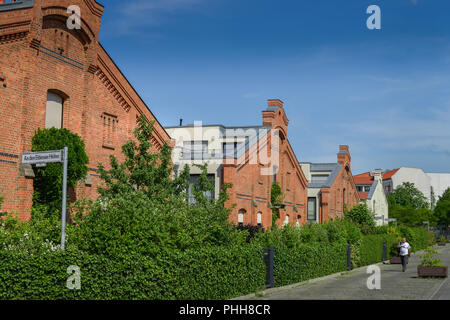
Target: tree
143,209
442,209
48,180
362,216
407,195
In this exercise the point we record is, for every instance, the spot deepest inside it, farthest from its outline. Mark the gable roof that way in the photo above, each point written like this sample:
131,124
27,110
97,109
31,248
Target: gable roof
366,178
334,169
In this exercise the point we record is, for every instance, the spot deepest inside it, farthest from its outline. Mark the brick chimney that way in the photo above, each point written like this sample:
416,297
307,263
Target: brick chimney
343,155
378,175
275,103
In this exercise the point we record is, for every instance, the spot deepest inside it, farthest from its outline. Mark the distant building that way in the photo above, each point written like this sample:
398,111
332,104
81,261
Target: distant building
427,183
331,187
250,158
371,192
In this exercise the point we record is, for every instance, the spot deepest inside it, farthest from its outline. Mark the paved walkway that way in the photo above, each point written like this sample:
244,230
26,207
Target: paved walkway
395,284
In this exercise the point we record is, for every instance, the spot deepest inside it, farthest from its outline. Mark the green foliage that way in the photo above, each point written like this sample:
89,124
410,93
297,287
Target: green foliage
204,273
407,195
308,261
363,217
48,180
412,217
442,209
428,260
371,248
2,198
276,200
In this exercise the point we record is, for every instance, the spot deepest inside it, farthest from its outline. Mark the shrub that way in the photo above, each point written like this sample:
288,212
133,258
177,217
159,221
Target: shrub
48,180
309,261
207,273
428,260
371,248
363,217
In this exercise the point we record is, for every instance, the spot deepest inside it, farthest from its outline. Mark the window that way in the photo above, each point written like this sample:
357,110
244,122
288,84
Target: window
195,150
319,178
233,149
343,200
241,217
193,180
286,220
311,209
54,111
109,130
359,188
366,188
275,169
259,219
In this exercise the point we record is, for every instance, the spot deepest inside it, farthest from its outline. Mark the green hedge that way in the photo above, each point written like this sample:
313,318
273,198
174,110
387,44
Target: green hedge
419,238
371,248
206,273
308,261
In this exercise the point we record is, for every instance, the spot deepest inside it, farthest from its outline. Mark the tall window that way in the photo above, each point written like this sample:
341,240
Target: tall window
259,219
286,220
54,111
343,200
195,150
311,209
241,217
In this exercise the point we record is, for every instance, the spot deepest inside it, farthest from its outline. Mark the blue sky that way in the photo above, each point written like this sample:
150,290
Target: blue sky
385,93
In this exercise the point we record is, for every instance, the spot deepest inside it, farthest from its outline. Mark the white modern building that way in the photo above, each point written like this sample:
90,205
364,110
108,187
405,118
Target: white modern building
428,183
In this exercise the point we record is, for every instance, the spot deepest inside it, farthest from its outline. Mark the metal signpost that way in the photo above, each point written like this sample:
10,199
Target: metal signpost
40,159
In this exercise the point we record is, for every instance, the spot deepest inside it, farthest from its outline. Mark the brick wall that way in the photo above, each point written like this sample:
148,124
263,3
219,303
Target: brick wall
39,54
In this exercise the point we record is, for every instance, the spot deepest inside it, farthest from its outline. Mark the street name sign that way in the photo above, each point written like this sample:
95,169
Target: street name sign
42,157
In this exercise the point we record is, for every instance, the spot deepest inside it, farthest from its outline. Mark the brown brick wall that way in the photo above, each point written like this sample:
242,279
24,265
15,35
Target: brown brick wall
251,187
37,54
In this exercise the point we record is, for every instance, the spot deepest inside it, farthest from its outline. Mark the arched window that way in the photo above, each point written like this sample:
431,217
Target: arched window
241,217
259,219
54,111
286,220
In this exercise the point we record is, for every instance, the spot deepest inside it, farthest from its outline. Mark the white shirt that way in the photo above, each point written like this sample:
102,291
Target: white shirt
404,248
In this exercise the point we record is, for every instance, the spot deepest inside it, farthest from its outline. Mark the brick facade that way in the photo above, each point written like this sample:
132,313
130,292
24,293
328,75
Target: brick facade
39,54
342,191
252,186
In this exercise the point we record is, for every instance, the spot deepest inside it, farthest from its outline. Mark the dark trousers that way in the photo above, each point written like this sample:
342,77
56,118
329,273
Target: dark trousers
404,262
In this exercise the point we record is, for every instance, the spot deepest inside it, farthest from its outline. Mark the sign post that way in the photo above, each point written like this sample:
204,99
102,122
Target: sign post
40,159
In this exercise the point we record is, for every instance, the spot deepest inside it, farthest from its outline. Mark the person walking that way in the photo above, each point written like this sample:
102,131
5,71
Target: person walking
405,252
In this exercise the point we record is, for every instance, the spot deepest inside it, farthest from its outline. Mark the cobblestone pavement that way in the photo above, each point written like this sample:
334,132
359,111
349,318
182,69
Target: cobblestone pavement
395,284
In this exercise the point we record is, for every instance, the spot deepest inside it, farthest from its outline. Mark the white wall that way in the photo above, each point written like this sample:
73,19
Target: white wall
440,182
420,179
379,205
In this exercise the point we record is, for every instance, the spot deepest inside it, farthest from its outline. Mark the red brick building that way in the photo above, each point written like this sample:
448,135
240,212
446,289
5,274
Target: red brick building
331,187
251,159
53,76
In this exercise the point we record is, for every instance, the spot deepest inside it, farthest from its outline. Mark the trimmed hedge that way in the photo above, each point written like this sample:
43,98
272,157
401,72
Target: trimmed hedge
206,273
308,261
371,248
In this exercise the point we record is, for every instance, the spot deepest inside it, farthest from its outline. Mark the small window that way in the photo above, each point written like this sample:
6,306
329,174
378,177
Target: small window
195,150
286,220
259,218
54,111
241,217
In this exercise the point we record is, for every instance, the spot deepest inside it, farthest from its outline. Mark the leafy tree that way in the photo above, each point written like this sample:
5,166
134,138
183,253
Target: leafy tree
412,217
363,217
48,180
442,209
143,208
407,195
